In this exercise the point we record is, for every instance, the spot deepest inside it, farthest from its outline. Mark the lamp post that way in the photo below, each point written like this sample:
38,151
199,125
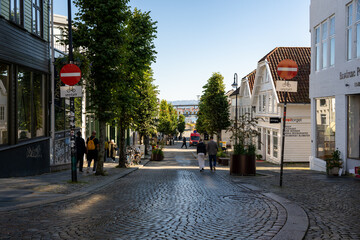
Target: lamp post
235,85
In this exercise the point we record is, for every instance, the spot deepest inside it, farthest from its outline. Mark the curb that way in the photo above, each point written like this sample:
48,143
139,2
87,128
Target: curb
80,193
297,221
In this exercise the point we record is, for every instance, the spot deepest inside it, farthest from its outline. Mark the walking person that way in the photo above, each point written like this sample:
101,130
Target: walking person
80,150
92,145
212,149
201,152
112,149
184,142
106,155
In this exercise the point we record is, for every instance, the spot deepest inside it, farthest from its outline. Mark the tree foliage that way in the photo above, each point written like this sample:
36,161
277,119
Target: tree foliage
119,44
167,118
213,107
181,124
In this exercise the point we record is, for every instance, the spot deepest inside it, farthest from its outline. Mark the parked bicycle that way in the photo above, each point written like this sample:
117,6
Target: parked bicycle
133,155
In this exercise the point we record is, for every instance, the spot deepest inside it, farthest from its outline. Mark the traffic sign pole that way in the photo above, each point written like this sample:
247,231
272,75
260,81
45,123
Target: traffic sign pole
72,105
283,142
286,69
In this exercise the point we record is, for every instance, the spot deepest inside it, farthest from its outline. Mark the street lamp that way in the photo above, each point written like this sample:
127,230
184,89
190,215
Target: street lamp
235,85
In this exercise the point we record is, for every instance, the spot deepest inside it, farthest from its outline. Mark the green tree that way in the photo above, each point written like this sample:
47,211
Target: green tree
167,118
138,53
99,28
214,107
181,124
147,110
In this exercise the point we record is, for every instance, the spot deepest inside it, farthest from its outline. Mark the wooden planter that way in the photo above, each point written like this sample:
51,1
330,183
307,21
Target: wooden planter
224,161
157,157
333,171
237,163
244,165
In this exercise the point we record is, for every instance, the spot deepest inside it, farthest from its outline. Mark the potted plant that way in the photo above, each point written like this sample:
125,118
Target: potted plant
157,154
243,159
334,164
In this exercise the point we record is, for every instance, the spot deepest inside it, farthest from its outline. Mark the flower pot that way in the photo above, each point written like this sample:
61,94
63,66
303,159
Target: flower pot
333,171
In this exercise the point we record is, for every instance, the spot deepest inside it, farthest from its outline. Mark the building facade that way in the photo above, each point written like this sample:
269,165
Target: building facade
24,87
335,81
268,104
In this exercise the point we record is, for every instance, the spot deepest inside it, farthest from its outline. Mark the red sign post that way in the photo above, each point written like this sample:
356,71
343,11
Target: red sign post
70,74
286,69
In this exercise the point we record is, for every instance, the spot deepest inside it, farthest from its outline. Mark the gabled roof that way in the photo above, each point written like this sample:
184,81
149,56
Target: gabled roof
251,79
301,55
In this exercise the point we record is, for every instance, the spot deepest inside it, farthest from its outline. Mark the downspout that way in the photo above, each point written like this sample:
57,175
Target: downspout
52,115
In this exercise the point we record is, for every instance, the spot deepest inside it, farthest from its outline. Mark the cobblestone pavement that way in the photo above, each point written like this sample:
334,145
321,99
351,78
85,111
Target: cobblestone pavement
331,203
170,199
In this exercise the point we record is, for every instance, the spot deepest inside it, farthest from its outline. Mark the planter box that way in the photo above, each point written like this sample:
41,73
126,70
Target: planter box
224,161
243,165
333,171
157,157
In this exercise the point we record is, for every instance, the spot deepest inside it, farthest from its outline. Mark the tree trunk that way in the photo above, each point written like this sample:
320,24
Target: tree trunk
122,146
218,137
146,142
100,163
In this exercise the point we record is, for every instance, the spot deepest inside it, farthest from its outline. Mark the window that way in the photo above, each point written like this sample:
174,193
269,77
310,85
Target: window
259,98
275,144
30,104
325,127
349,30
263,107
324,37
270,106
4,89
322,102
317,49
354,126
332,41
37,17
17,11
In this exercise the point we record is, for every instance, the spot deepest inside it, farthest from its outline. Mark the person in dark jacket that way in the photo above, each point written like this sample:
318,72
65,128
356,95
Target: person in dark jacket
184,143
80,150
201,152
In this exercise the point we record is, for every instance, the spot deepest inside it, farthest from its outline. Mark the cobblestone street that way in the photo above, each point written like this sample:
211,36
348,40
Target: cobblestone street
164,200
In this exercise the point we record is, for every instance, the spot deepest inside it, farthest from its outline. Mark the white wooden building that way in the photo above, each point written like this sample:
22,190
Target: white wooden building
335,81
258,96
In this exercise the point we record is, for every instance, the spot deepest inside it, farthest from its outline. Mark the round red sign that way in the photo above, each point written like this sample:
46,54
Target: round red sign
70,74
287,69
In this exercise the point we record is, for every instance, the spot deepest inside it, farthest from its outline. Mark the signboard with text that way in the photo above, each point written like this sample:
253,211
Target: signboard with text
286,86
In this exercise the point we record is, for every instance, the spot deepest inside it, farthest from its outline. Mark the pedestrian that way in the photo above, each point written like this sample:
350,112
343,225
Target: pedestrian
92,145
80,150
106,155
112,150
201,152
184,143
212,149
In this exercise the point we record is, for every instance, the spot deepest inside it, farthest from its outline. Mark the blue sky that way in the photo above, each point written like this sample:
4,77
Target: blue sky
198,37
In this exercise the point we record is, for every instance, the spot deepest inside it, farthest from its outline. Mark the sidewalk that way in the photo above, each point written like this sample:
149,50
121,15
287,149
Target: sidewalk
23,192
331,203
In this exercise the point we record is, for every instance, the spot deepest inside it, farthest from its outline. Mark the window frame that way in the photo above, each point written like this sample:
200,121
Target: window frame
349,30
21,12
37,7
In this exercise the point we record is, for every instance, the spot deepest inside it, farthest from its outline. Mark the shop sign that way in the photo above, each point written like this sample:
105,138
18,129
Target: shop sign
349,74
275,120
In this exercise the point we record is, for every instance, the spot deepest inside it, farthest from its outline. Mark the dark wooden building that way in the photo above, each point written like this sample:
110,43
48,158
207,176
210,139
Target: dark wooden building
24,87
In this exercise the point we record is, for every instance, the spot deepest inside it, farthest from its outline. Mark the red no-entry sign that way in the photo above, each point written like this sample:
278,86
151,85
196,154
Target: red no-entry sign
70,74
287,69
